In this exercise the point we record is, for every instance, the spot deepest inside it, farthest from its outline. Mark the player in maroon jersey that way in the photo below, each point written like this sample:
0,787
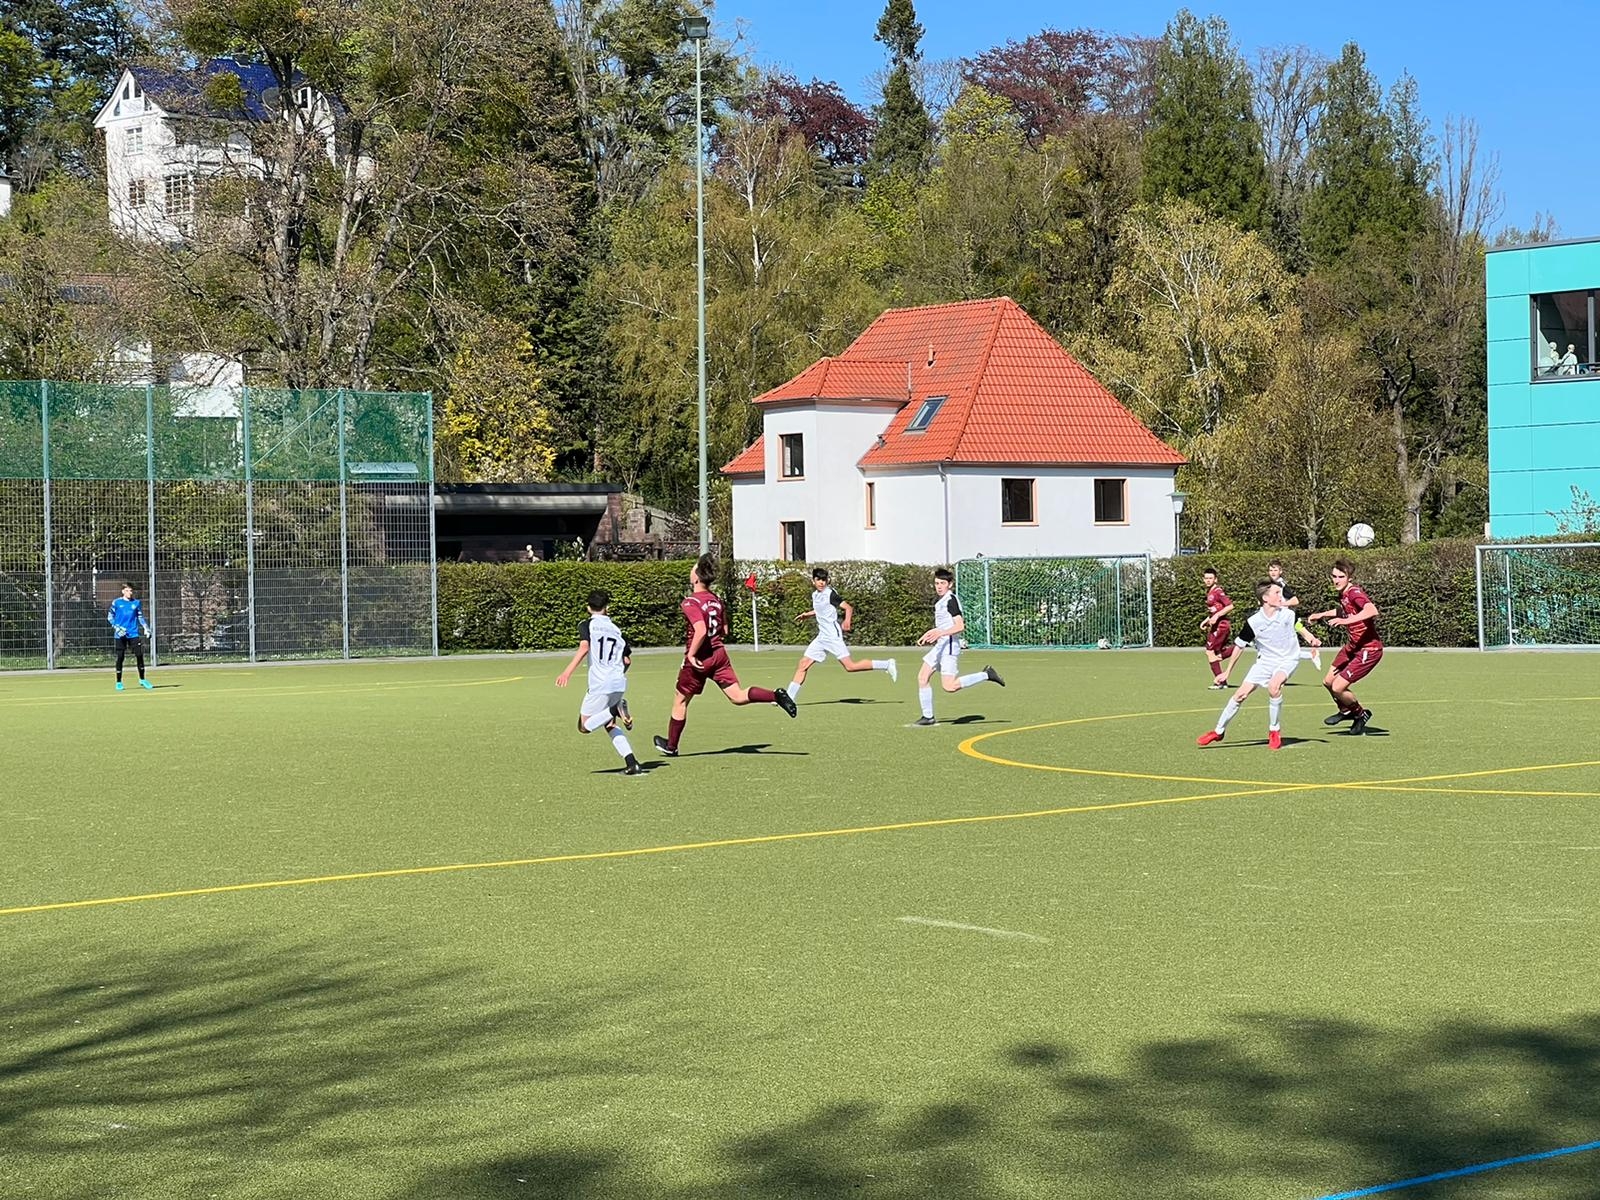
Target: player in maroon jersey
1361,652
705,658
1220,653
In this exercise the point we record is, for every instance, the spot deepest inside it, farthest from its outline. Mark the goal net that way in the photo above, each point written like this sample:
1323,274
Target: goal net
1539,595
1056,602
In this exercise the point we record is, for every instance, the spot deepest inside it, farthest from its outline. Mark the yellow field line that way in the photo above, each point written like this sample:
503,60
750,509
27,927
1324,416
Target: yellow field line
639,852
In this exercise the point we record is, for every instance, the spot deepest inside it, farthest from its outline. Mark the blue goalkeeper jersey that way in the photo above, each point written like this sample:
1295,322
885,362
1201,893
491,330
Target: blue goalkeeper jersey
126,617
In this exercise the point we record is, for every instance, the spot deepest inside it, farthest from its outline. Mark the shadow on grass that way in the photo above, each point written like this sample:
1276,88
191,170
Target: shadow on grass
1268,1106
752,748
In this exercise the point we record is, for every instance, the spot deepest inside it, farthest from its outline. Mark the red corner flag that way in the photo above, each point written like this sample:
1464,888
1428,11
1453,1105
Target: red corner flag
750,581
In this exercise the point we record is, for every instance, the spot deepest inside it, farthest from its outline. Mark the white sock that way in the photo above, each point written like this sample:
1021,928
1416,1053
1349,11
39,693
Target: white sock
596,721
880,664
1229,711
794,691
1274,710
967,681
619,742
925,694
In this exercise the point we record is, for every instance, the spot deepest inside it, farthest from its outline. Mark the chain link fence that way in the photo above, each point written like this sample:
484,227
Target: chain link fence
253,523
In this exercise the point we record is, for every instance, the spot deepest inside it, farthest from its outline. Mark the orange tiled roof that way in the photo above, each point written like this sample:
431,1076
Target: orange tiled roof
752,460
1013,395
843,378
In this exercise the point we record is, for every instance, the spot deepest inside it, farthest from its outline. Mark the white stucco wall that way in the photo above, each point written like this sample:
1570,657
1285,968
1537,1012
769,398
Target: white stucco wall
5,192
1064,513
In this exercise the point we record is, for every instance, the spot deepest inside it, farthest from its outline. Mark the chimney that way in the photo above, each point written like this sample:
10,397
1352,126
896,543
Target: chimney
930,354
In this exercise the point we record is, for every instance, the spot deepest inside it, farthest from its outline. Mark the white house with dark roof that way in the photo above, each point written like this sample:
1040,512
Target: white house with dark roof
946,432
164,138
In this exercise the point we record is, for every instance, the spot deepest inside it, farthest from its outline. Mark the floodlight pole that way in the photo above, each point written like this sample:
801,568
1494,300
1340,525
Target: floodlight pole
49,547
697,29
150,508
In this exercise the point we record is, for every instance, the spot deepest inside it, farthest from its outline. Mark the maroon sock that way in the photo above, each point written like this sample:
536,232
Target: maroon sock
674,732
762,696
1216,668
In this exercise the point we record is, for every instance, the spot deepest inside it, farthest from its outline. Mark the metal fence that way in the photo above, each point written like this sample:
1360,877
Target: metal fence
253,523
1059,602
1543,594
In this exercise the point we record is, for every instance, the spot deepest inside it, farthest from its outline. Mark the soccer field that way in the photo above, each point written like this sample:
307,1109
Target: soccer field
396,930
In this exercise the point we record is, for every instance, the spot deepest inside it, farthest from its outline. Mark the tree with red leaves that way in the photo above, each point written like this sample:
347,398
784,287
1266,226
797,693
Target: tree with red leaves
834,129
1055,79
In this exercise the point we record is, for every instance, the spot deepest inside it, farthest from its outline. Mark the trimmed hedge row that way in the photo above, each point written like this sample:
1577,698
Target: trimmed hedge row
1426,594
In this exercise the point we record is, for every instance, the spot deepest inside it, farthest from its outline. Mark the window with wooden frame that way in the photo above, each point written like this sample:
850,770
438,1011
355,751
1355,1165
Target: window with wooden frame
792,456
872,506
1110,501
1016,502
792,541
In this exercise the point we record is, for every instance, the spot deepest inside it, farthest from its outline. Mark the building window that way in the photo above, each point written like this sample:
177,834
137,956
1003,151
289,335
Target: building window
1110,501
792,541
793,463
1564,335
133,142
925,415
138,193
872,506
1016,502
178,198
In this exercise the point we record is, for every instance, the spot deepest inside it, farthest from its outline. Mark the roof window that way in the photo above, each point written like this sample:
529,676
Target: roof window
925,415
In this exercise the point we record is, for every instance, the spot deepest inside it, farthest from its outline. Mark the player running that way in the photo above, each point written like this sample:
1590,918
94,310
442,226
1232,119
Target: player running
1362,651
1276,633
705,658
609,655
826,605
945,657
126,616
1220,655
1292,600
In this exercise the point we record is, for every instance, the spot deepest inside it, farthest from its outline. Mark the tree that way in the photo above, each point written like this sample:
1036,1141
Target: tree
1055,80
905,133
1369,164
495,425
1204,144
1288,93
1197,308
449,162
836,131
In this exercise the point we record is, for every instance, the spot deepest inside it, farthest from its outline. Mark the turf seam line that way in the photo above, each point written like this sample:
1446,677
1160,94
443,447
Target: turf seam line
1459,1172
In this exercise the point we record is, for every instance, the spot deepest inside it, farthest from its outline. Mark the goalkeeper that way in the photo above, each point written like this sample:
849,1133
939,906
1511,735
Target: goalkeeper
126,616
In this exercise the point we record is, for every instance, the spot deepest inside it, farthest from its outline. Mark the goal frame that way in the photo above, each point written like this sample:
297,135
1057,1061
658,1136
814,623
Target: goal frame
1127,604
1480,552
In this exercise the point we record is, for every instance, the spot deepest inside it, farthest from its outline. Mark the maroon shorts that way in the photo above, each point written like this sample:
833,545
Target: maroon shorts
1357,664
717,669
1217,636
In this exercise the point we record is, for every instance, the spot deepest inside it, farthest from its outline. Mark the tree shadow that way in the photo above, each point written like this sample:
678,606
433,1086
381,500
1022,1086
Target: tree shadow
1262,1105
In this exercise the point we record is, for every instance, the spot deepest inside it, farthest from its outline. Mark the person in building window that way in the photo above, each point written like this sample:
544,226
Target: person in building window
1569,361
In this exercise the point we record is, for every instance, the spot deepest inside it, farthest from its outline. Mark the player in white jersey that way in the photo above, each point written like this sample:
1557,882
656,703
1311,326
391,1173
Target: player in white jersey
1276,633
826,605
945,656
606,703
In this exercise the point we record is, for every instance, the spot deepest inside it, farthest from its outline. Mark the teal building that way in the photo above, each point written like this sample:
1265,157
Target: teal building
1544,384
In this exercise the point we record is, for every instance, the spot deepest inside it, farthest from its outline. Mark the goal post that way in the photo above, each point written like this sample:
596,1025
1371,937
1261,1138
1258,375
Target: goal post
1538,594
1062,603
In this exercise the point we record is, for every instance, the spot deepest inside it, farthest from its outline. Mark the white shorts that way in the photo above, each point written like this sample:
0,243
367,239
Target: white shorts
1261,673
825,644
595,703
946,655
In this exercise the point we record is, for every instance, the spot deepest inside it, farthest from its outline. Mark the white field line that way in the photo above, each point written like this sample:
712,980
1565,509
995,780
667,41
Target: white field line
1010,934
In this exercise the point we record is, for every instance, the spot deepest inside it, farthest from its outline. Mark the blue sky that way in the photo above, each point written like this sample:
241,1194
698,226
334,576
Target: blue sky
1523,75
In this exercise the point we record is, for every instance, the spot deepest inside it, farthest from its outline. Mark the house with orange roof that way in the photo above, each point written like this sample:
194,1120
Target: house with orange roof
945,432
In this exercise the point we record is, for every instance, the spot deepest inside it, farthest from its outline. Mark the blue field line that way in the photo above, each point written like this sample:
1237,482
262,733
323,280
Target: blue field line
1460,1171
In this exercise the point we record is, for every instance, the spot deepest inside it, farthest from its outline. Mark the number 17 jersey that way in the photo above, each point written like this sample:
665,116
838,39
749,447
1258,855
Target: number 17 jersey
607,647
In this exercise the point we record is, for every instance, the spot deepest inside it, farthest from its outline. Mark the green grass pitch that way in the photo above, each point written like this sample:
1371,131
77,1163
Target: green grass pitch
1167,972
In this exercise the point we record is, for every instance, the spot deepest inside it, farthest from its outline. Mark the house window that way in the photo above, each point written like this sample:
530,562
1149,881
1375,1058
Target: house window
872,506
133,142
178,197
793,464
1110,501
792,541
1016,502
138,193
1564,335
925,415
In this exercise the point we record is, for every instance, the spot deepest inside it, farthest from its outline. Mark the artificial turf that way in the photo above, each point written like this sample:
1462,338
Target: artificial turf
1289,989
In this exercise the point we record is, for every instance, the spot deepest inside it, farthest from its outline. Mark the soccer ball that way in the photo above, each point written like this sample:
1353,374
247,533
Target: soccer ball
1103,644
1360,534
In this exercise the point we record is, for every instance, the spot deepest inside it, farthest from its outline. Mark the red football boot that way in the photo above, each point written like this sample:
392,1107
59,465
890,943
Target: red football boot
1274,740
1206,738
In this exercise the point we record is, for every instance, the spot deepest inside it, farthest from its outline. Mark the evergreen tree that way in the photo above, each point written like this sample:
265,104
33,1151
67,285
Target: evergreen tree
1204,143
905,133
1370,163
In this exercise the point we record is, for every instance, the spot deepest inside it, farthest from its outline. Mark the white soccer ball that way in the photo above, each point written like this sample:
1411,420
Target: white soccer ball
1361,534
1104,644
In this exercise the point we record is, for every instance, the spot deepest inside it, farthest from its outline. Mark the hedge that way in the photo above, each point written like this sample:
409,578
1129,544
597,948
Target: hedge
1426,594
